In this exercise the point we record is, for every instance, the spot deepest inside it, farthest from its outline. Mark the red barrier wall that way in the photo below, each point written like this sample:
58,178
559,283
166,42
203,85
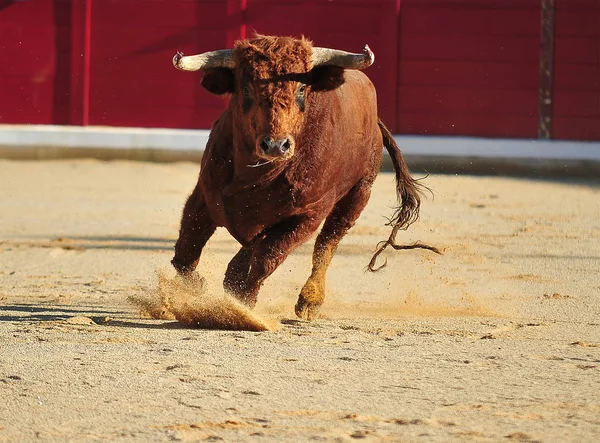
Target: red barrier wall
469,67
577,70
28,68
443,67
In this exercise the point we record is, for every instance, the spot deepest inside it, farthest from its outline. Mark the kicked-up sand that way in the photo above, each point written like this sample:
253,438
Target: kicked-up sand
498,339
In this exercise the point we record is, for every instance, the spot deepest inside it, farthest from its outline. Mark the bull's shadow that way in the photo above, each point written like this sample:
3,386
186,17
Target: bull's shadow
157,244
32,314
36,313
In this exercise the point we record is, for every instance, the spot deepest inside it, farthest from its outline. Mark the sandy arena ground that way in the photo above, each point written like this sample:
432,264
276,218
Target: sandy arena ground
496,340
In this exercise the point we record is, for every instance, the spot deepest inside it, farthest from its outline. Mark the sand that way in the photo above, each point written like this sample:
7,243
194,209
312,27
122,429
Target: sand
498,339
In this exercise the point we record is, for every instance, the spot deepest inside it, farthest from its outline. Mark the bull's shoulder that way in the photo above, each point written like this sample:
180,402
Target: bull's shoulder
217,160
357,84
356,91
221,133
358,78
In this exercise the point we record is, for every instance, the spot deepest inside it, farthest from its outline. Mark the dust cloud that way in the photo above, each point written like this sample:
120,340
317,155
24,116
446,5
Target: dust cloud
188,301
191,302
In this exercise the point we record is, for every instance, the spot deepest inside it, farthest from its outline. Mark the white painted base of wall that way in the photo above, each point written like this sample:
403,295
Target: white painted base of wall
48,141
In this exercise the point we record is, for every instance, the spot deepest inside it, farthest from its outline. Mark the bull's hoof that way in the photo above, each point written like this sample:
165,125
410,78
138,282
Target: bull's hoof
306,310
234,288
194,281
249,302
240,292
310,300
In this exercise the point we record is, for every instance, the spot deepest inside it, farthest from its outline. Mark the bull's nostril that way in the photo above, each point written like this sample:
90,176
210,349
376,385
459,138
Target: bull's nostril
275,147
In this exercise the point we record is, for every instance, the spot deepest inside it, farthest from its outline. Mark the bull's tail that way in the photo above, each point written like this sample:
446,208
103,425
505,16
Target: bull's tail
408,191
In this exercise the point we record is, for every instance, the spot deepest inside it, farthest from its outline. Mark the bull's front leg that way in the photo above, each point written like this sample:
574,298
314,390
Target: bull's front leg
196,228
237,271
337,224
268,253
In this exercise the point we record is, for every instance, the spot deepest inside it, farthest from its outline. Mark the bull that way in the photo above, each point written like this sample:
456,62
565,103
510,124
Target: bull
299,144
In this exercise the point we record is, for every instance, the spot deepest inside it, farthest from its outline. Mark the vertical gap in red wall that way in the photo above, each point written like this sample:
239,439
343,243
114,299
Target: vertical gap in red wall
80,61
597,134
75,51
546,69
396,124
62,68
87,45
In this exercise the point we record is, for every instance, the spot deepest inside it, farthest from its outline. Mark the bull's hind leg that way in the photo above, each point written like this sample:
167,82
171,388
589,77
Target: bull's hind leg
338,222
196,228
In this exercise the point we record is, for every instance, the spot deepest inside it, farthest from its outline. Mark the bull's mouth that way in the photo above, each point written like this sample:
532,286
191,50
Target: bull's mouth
276,158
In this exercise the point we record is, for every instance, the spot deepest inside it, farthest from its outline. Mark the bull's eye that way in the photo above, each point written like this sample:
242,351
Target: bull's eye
300,97
246,98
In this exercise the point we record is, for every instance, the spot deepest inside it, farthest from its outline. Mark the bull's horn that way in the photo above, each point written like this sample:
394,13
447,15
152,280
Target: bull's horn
222,58
343,59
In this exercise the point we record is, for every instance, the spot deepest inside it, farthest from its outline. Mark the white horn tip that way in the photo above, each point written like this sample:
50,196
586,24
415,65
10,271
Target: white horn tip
177,58
369,56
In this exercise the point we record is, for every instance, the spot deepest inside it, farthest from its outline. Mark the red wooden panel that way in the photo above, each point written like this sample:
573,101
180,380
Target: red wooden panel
168,117
274,17
469,67
577,70
25,52
133,81
495,5
448,100
177,14
576,23
492,48
476,124
470,74
577,5
183,91
577,76
27,64
458,67
23,100
124,69
576,128
418,17
576,104
576,50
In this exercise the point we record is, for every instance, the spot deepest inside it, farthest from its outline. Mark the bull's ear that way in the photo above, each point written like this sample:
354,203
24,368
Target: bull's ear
326,78
218,81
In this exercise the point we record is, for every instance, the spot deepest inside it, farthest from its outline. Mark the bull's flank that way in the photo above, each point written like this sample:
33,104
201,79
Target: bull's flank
299,143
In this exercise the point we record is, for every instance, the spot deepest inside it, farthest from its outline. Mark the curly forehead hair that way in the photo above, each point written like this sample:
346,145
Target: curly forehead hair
263,57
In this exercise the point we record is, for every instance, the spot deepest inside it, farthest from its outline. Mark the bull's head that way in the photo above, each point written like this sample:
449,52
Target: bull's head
270,79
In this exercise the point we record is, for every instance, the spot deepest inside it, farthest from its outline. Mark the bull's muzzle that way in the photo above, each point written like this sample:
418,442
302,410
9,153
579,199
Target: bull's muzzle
281,148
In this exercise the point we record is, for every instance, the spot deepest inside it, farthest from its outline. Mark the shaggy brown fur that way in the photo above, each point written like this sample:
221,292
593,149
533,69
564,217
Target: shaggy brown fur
273,200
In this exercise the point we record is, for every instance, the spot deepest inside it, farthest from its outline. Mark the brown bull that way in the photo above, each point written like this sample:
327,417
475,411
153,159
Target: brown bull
299,143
